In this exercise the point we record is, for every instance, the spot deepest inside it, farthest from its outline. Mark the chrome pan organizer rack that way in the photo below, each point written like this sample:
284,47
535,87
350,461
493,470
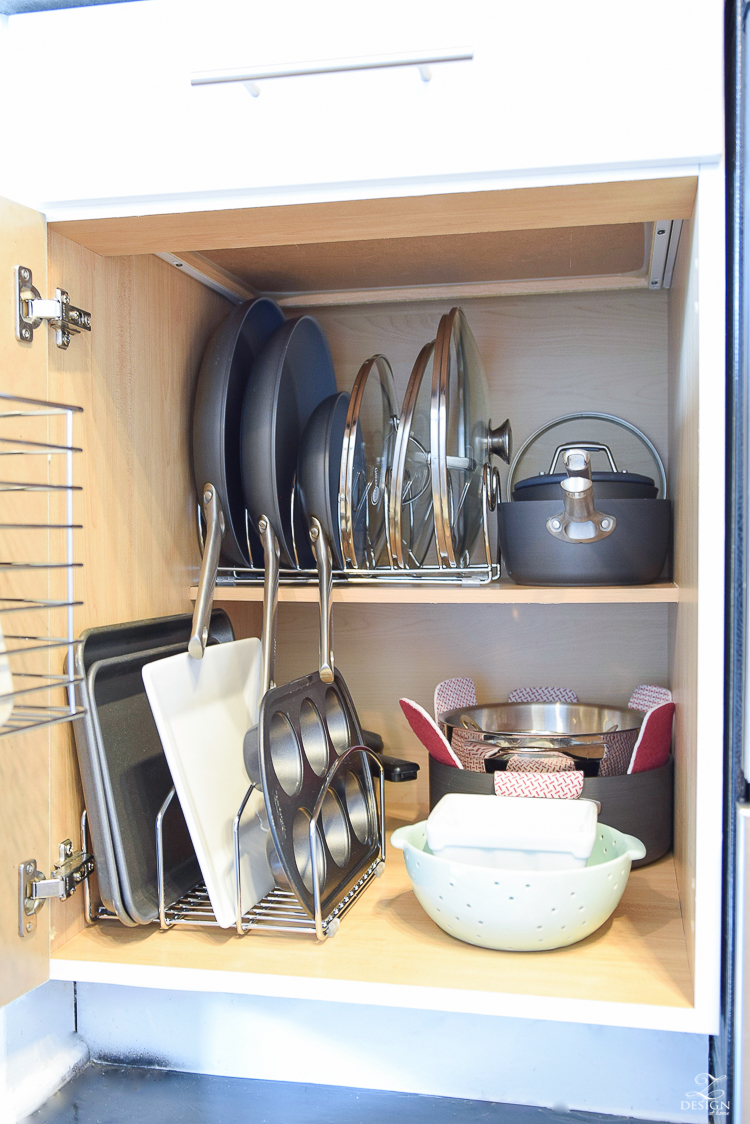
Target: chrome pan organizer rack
479,572
280,910
37,595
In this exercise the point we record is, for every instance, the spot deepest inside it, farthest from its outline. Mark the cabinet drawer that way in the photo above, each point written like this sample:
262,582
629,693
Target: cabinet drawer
551,86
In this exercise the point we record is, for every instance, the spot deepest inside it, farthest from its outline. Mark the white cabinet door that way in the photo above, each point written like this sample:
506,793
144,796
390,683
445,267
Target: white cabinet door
554,84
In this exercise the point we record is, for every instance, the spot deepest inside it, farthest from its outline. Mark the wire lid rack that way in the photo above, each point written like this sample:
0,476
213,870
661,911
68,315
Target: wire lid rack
280,910
38,565
481,569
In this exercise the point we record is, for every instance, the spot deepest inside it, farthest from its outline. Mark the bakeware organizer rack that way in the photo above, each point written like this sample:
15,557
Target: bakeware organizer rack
481,570
37,590
280,910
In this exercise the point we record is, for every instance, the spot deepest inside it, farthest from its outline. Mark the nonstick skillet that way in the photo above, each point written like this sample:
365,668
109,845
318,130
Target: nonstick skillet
225,374
217,415
292,374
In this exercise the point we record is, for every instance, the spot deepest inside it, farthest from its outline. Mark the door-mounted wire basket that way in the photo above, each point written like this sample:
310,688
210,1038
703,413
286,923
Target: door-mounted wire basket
280,910
37,596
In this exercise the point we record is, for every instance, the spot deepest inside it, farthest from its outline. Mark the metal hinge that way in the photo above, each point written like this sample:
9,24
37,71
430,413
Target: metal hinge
34,889
59,313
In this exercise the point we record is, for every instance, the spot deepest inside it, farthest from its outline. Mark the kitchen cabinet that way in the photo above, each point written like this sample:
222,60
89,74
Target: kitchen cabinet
610,343
569,89
536,222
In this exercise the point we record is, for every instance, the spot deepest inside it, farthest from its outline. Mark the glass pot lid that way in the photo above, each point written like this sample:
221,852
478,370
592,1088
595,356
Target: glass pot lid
461,438
411,522
369,436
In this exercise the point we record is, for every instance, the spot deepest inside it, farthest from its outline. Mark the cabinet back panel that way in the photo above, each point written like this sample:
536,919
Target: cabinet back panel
545,355
386,652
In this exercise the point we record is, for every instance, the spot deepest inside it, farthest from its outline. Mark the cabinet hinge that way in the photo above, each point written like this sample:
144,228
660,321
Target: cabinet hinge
34,889
59,313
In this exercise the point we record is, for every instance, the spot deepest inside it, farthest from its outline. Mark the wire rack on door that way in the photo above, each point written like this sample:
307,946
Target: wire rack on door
38,565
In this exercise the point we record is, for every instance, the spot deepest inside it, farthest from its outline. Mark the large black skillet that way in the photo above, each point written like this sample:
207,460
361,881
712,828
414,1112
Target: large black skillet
219,395
222,385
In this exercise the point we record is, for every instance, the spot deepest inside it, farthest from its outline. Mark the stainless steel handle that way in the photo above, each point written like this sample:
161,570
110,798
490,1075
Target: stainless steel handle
324,561
270,604
421,59
590,447
500,441
209,567
577,463
579,522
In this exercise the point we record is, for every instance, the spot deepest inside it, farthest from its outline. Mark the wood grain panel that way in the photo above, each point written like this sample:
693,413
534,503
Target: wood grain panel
582,251
683,477
409,217
638,956
464,291
134,376
24,758
503,592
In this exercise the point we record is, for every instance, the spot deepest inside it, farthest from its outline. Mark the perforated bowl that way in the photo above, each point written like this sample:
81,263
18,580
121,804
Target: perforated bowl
519,910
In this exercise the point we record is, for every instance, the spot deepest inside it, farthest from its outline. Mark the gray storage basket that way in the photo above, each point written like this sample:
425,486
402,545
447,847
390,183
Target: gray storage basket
640,804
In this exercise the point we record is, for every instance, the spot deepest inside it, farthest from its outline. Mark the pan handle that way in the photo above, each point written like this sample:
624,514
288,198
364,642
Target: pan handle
324,560
579,522
270,603
209,567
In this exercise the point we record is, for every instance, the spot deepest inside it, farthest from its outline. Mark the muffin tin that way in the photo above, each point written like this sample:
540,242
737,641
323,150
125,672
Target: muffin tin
319,803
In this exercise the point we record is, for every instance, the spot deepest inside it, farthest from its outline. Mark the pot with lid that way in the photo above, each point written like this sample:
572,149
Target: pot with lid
586,527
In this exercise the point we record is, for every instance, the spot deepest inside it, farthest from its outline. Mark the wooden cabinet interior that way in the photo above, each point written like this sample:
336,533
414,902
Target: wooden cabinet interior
628,352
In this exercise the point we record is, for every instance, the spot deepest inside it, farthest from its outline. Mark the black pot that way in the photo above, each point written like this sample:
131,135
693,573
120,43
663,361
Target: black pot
634,553
639,804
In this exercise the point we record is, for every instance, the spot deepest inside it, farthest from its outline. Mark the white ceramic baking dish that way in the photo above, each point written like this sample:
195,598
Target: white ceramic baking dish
512,832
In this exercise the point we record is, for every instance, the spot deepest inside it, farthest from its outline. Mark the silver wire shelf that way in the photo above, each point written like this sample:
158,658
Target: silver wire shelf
280,911
482,570
37,596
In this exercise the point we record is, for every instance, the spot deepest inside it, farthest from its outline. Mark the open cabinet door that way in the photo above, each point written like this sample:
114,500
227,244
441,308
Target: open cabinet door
24,757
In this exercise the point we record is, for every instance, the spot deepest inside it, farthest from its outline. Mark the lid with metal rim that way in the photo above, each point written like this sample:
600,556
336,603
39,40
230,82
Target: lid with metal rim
607,434
462,439
369,436
411,522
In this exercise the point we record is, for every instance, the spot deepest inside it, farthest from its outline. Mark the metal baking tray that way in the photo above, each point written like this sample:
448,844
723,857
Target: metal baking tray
106,643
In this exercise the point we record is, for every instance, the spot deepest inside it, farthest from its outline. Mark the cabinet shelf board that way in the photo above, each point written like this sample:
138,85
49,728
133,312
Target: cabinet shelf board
498,593
632,972
362,220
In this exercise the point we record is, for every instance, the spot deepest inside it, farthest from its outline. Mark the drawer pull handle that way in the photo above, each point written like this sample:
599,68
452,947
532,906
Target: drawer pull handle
251,75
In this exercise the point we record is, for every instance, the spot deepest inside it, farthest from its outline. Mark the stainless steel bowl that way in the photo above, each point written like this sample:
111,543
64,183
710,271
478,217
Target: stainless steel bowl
577,729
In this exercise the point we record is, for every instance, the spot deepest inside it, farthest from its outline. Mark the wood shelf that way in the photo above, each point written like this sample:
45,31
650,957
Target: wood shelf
633,971
497,593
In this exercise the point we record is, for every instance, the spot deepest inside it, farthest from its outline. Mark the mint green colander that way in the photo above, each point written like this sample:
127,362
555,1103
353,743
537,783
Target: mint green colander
519,910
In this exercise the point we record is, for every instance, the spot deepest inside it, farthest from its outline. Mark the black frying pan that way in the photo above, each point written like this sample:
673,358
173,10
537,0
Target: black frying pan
319,469
292,374
217,413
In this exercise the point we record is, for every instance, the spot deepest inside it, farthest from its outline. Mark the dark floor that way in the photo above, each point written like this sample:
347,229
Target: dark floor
109,1094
